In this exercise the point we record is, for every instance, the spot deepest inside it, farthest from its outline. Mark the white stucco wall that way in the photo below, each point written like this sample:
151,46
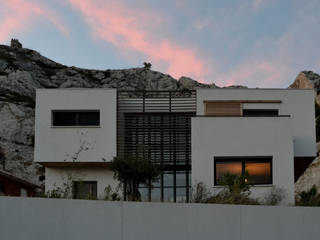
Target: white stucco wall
58,144
299,103
244,136
58,176
52,219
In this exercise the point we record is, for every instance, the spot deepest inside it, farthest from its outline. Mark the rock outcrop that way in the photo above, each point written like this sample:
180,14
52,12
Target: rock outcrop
23,70
302,81
309,178
308,79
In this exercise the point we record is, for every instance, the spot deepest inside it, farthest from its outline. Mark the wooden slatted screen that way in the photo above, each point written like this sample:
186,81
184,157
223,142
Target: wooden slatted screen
223,108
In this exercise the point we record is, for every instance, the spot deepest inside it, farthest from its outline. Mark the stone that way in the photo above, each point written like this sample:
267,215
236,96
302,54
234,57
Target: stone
301,81
309,178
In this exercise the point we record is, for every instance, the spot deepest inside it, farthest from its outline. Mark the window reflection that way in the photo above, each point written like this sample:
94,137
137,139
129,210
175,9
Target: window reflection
223,168
258,172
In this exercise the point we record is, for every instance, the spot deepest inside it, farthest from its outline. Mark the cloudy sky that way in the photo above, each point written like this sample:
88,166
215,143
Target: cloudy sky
258,43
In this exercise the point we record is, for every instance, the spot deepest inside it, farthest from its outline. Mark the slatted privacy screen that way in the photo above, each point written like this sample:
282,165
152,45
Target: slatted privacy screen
157,125
223,108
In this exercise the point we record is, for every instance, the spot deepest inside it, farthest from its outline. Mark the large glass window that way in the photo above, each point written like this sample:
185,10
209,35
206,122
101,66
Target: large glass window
84,190
75,118
166,139
259,169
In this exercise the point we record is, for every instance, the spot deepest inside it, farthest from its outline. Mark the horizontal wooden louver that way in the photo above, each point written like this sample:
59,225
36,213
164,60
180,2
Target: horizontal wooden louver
223,108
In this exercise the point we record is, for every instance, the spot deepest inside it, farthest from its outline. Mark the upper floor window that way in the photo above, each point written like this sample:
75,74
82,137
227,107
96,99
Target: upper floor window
238,108
260,112
259,169
75,118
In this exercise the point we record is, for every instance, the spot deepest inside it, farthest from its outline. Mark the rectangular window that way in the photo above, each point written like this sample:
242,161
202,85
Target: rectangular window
84,190
260,112
259,169
75,118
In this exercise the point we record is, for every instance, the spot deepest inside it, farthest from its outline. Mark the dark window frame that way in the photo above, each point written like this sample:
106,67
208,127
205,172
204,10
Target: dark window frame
77,112
243,160
259,112
74,190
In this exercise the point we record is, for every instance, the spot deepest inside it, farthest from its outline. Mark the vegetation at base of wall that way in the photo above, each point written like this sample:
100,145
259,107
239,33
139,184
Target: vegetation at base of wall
112,195
235,190
317,113
308,198
132,172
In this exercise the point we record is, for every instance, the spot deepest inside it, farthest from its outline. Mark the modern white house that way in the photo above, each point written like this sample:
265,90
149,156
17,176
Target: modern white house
196,136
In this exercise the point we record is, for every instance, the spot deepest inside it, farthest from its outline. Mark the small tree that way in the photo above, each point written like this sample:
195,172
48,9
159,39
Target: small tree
147,65
132,172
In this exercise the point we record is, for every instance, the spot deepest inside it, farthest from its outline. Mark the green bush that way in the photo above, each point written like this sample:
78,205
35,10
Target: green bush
308,198
236,190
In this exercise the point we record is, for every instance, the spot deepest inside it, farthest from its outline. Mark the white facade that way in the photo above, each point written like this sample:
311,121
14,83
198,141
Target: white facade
280,137
88,145
288,135
298,103
59,143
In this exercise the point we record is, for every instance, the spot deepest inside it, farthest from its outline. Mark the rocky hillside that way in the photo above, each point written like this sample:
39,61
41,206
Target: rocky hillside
23,70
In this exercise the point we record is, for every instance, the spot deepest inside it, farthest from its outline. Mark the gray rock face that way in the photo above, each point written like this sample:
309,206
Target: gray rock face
23,70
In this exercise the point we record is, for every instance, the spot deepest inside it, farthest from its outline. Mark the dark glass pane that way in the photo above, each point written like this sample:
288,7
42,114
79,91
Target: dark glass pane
89,118
181,194
168,195
181,180
85,190
155,195
64,118
259,172
168,179
260,112
144,192
156,183
223,168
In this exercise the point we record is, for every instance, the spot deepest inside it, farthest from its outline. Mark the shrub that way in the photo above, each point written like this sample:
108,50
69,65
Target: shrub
274,197
308,198
111,195
235,191
200,193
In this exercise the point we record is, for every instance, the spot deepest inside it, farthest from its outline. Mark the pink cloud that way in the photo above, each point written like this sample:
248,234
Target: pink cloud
18,14
255,73
132,30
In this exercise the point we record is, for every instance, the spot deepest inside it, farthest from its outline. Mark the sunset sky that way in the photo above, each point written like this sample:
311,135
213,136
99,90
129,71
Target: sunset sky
257,43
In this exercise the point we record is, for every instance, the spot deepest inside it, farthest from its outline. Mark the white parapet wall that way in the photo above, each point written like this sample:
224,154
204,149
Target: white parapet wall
51,219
